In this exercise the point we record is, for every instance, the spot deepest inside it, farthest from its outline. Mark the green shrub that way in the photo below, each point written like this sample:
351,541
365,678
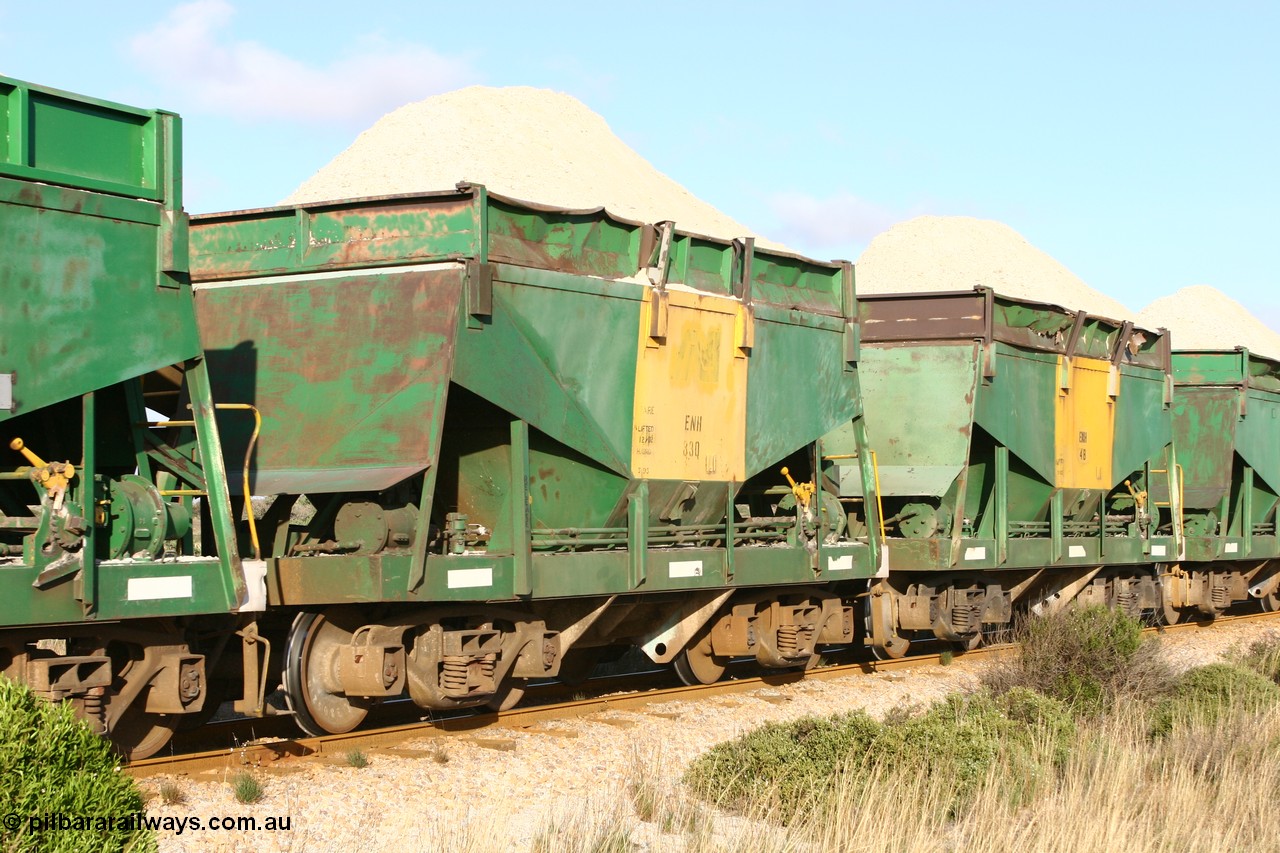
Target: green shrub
1205,694
51,763
964,738
1263,657
171,794
781,763
1088,657
785,768
246,788
357,759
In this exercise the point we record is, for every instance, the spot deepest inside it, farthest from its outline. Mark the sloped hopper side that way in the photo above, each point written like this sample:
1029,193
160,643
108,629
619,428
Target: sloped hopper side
572,356
919,411
1227,405
349,370
803,379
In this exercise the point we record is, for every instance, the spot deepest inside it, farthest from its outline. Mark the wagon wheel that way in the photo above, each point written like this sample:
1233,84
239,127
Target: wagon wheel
508,694
216,692
139,734
886,643
1169,613
1271,601
311,683
697,664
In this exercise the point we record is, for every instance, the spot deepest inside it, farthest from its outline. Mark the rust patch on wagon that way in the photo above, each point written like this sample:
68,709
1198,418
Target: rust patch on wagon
349,373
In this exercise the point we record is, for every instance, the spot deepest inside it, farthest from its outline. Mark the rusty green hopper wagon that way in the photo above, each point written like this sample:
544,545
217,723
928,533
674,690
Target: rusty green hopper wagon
1226,417
97,325
488,400
1010,435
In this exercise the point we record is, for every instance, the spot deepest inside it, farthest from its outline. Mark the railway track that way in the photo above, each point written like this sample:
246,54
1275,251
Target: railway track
260,742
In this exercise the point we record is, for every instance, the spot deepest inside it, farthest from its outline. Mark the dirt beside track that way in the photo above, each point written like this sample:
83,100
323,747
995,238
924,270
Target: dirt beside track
496,790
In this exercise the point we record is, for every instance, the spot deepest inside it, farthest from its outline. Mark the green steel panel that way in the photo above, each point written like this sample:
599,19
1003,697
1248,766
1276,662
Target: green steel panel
335,580
919,405
799,388
1143,424
588,243
1204,429
846,562
702,264
21,604
415,228
1208,368
556,575
795,282
1214,416
1258,436
333,236
564,361
209,593
350,373
1029,493
567,489
57,137
771,566
1016,407
87,308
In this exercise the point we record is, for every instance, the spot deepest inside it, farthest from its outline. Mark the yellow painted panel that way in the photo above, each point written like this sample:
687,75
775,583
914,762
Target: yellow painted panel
691,392
1085,425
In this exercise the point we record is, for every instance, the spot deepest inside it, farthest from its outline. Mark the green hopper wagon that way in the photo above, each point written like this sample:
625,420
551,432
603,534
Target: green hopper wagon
1010,437
1226,419
531,428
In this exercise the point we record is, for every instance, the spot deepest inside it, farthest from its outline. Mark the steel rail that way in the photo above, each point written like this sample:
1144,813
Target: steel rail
265,752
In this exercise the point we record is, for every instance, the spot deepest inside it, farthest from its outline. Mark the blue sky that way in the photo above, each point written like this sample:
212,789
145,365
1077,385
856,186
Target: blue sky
1135,142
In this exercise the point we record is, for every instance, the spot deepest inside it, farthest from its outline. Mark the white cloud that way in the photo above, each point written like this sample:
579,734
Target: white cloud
191,51
839,220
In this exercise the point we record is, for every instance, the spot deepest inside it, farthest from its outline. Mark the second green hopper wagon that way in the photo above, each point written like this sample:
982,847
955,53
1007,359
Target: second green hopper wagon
1019,447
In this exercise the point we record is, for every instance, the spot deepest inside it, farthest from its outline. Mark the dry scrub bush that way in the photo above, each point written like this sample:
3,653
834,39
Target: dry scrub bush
1088,657
784,769
589,827
452,827
1207,693
1263,656
1118,790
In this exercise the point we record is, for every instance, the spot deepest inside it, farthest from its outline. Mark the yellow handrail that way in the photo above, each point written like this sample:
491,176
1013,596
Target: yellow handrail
248,455
875,468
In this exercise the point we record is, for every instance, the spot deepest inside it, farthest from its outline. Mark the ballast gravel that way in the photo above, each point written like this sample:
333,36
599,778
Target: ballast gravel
499,790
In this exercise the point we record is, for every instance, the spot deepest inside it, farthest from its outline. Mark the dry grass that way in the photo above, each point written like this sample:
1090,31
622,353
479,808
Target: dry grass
1201,788
1089,657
